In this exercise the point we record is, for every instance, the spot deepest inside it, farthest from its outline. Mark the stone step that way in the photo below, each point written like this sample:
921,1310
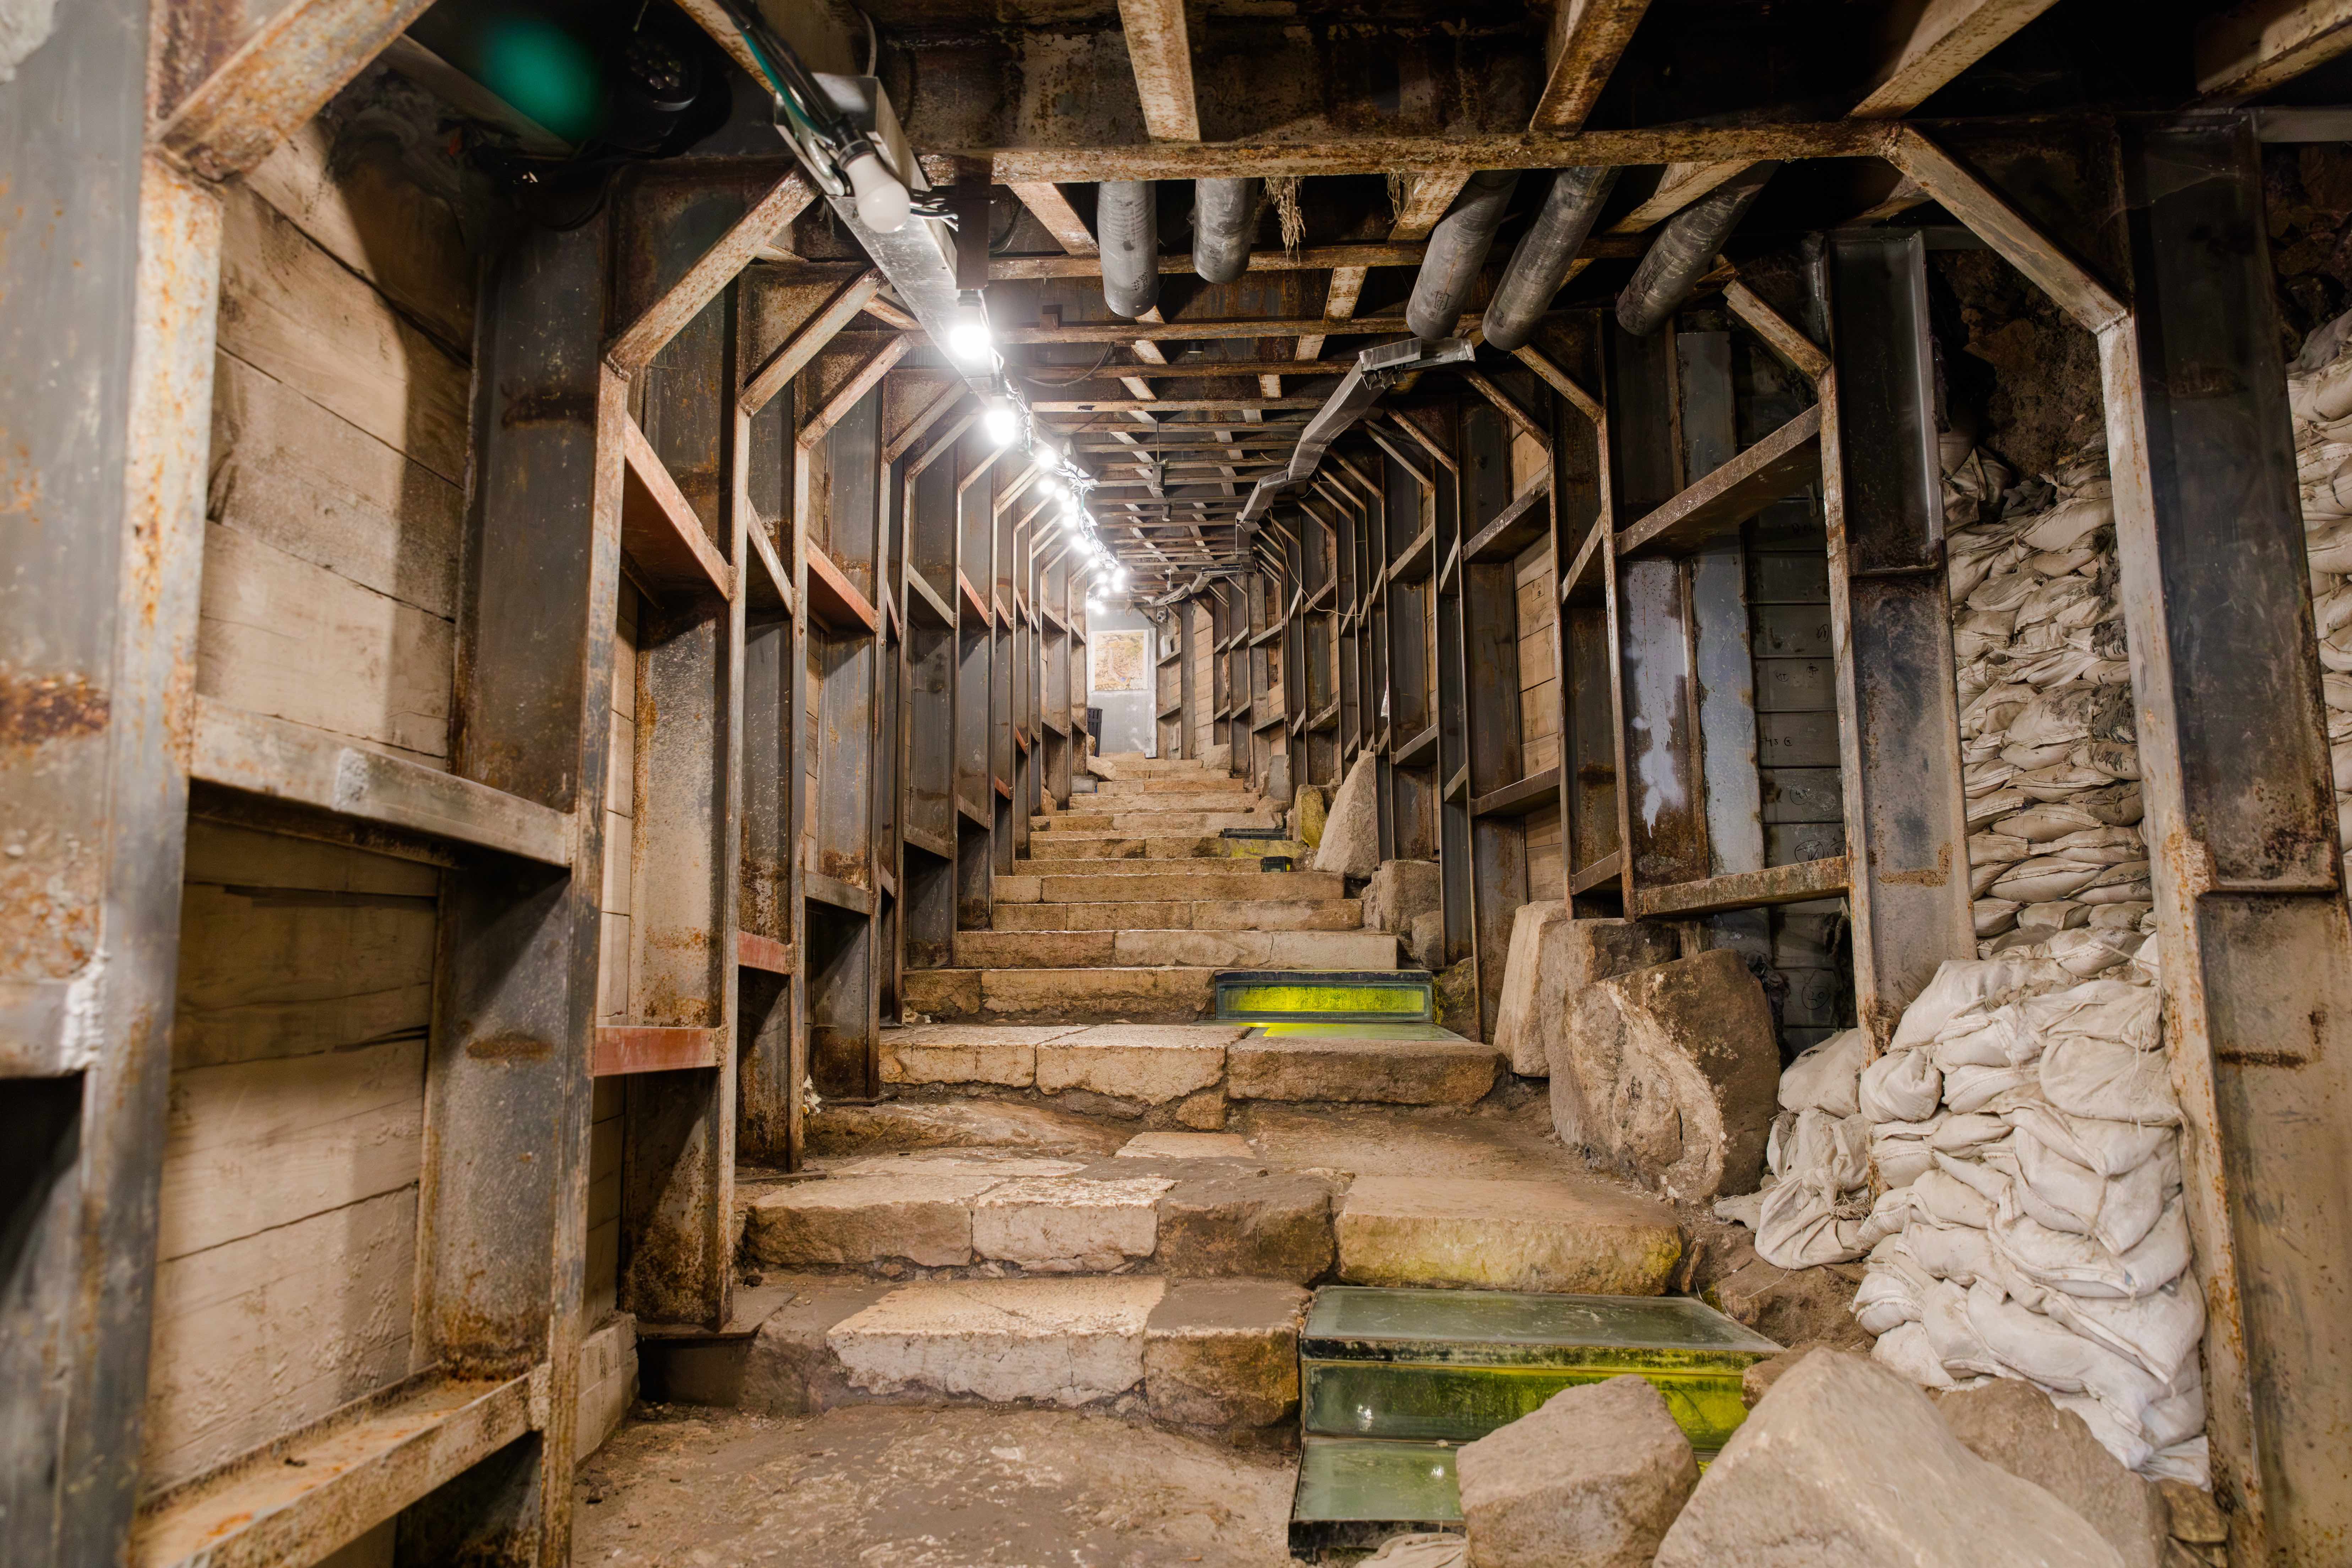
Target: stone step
1100,846
1170,783
1134,764
1152,824
1199,914
1453,1365
1159,996
1324,1067
1574,1235
1208,1355
1099,883
1155,808
1002,1214
1176,948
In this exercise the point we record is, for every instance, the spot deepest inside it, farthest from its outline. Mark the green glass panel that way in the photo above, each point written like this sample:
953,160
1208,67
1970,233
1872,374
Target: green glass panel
1502,1328
1325,1001
1304,1029
1347,1478
1463,1404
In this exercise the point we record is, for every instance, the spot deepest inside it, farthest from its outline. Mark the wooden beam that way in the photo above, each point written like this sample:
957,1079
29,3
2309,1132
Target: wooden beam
1440,155
1306,259
1559,381
1043,199
890,315
2002,226
805,345
1587,39
279,78
1507,405
1164,331
1680,184
660,533
1793,346
1161,52
2251,47
1778,466
1193,370
1928,44
635,347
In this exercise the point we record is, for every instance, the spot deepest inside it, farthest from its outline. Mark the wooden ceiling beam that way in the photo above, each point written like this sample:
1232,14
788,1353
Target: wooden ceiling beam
1588,38
2251,47
1160,50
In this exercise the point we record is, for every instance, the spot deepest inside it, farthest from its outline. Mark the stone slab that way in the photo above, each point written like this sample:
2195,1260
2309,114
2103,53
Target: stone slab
1247,884
1150,1063
1266,1225
1035,949
1225,1354
1400,891
1186,1146
1051,1342
790,1369
1389,1072
1301,914
1553,956
1005,1055
896,1125
1064,1225
1104,916
943,992
1579,1237
852,1221
1351,831
1161,995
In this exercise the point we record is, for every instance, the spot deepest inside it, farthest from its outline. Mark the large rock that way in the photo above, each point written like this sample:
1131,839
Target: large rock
1794,1306
1400,890
1553,957
1591,1478
1673,1073
1307,815
1845,1464
1351,830
2011,1423
1454,995
1425,942
1054,1341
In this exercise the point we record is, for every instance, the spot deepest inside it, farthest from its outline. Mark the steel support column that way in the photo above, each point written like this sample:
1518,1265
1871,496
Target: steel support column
1890,631
2242,826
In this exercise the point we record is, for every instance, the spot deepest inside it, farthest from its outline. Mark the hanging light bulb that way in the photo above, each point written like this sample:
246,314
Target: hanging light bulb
969,337
1050,485
1002,424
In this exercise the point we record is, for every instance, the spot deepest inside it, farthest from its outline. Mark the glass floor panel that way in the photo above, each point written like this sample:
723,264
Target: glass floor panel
1463,1404
1300,1028
1500,1328
1347,1479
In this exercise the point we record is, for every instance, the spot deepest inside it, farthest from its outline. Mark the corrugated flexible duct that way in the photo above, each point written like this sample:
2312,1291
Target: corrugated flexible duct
1685,249
1224,221
1457,250
1539,263
1126,222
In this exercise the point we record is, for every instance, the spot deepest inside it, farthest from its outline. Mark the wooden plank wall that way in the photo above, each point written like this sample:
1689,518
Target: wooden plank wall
1539,699
286,1257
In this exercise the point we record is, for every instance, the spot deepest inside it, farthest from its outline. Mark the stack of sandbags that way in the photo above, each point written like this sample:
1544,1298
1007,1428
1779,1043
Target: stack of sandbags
2048,749
1816,1194
2319,393
2032,1224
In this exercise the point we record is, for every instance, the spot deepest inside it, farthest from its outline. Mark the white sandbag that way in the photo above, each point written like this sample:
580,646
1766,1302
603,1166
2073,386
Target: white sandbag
2082,1266
1960,1135
2106,1147
2109,1080
2003,591
2108,890
1909,1352
2322,394
1960,983
1959,1346
1885,1301
1899,1160
1990,1035
2134,1202
2091,950
2333,609
2179,1415
1742,1208
1997,849
1949,1201
1827,1077
2054,916
2119,1010
1975,1087
2047,1352
1902,1086
2160,1331
2190,1462
2115,1433
1994,916
1798,1226
1955,1252
2042,879
1989,807
2329,547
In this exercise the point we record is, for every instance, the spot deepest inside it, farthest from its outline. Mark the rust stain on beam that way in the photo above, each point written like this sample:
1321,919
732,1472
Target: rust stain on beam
623,1048
809,342
2079,294
1796,349
1588,38
300,57
1744,890
634,348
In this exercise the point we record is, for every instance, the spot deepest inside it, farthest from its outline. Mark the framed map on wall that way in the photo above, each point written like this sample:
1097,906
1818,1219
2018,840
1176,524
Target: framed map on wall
1123,660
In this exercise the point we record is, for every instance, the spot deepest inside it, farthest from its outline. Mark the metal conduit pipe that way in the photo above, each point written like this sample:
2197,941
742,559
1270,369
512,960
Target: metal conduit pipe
1457,249
1224,221
1539,264
1685,249
1126,222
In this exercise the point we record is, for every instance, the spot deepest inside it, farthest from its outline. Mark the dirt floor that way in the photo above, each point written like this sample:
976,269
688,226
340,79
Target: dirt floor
886,1487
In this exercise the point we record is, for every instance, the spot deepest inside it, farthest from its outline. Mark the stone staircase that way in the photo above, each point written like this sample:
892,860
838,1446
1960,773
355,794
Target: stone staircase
1150,1214
1129,902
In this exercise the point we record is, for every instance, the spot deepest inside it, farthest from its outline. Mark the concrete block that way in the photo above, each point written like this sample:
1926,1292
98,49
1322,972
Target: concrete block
852,1221
607,1383
1263,1225
1578,1237
1066,1224
1673,1072
1553,957
1225,1354
1400,890
1051,1342
1591,1478
1389,1072
1154,1063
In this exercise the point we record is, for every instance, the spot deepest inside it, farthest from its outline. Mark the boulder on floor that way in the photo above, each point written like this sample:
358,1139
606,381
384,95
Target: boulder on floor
1351,830
1845,1464
1400,891
2011,1423
1673,1073
1592,1478
1554,956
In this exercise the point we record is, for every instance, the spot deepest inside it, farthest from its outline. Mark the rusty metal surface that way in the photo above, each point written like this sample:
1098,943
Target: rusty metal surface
2249,897
278,79
1890,631
636,344
109,274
